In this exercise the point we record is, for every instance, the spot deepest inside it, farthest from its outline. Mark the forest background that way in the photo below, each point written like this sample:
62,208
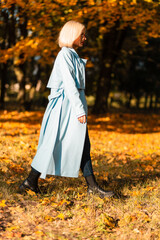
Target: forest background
122,88
122,50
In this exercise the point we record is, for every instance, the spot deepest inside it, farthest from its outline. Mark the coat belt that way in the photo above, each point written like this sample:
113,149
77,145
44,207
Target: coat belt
54,93
58,92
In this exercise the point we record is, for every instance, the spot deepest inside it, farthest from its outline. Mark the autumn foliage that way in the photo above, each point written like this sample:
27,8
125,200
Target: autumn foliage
29,31
126,158
40,21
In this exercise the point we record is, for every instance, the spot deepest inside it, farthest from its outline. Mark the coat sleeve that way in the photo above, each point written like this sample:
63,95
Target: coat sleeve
71,90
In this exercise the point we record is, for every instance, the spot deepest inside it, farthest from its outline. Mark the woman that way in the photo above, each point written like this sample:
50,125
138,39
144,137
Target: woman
64,145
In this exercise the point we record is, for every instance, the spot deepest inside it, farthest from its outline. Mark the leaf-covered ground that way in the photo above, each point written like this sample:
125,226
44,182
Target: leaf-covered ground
126,159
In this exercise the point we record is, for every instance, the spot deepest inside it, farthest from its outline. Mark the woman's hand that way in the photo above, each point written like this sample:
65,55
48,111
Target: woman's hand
82,119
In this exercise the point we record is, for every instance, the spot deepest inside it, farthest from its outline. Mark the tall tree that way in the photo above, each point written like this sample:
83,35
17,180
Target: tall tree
115,20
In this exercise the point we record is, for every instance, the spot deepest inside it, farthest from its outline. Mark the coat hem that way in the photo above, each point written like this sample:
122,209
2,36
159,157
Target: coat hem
59,175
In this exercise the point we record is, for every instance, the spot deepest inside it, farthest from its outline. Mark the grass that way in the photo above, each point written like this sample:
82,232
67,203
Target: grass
126,159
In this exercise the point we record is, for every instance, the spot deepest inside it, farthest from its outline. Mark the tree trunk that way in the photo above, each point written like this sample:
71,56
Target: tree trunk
3,45
151,101
19,71
137,102
146,101
22,67
156,102
103,90
111,46
128,103
8,36
3,81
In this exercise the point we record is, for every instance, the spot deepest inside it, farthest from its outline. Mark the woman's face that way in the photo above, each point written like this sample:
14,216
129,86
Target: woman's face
79,42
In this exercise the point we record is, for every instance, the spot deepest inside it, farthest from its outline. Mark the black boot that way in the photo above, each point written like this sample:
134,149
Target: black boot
31,182
94,188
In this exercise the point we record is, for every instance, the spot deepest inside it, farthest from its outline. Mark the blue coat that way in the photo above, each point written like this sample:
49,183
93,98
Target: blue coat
62,136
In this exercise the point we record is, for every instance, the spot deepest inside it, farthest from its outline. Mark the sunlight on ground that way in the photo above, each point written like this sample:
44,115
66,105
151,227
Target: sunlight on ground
126,159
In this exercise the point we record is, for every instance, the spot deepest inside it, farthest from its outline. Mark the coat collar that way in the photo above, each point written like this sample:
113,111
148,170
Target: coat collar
83,60
74,51
76,54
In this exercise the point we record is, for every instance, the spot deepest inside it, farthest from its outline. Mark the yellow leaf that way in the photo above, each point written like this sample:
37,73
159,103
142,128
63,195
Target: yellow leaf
134,2
12,228
49,218
109,221
30,192
10,181
149,168
60,216
136,193
62,202
86,209
45,201
150,188
40,233
2,203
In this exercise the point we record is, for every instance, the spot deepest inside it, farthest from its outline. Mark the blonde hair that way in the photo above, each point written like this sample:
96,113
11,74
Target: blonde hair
69,33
